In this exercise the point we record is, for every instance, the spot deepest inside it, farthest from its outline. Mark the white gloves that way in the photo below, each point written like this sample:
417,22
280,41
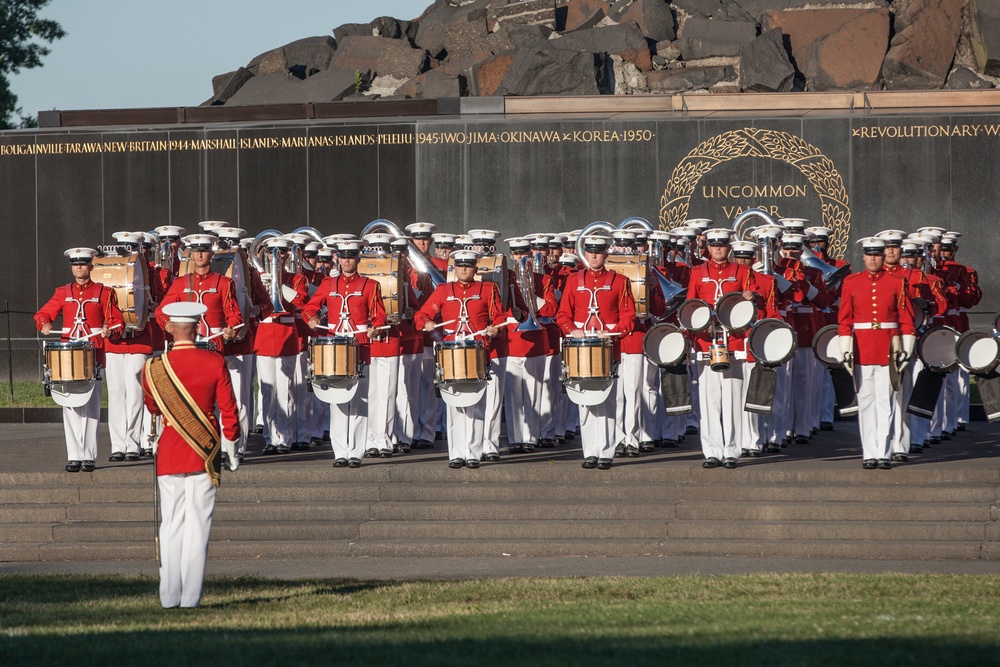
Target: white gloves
288,293
229,448
846,348
909,344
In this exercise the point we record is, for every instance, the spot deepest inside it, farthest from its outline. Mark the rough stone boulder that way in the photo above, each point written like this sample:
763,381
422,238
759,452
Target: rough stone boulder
485,78
432,85
765,66
963,78
465,38
514,36
580,14
308,55
437,21
545,71
835,49
330,85
709,38
613,39
526,12
713,9
654,18
352,30
225,85
688,78
385,57
923,48
387,26
985,37
758,9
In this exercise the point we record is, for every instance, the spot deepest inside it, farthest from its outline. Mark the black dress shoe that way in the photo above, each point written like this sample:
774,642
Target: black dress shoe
744,452
916,449
326,436
755,453
424,444
73,466
147,451
813,431
883,464
258,430
371,453
801,439
619,451
283,449
116,457
870,464
604,464
632,451
240,456
691,430
787,440
529,447
933,440
711,462
560,440
729,462
472,463
492,458
438,435
268,450
570,435
340,463
900,457
353,463
669,443
404,447
773,448
945,435
826,426
546,443
517,449
456,463
590,462
315,442
385,453
961,426
132,456
294,447
88,466
647,447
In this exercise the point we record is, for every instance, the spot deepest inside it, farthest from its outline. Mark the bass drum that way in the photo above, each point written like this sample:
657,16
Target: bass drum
233,264
772,342
127,277
936,347
978,351
490,269
665,345
384,269
736,313
636,269
826,346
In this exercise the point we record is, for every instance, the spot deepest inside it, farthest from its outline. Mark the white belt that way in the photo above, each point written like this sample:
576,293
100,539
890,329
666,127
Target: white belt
802,309
280,320
360,328
953,311
579,325
875,325
738,355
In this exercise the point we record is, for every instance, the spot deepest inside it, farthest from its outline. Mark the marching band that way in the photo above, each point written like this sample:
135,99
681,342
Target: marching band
628,337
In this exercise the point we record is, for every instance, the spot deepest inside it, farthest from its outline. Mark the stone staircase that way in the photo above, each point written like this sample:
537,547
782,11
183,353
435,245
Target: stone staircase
542,504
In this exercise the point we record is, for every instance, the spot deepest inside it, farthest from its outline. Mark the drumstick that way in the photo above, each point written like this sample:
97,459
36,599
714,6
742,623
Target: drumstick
352,333
214,336
57,332
91,335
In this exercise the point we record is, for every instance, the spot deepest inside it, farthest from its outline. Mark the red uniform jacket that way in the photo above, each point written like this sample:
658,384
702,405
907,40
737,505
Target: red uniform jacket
870,300
95,304
807,299
353,303
276,334
204,376
261,310
217,292
535,343
482,308
597,300
709,282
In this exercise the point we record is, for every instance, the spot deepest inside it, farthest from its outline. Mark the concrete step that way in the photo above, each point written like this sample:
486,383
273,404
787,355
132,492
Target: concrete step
514,530
929,531
136,531
522,510
225,511
832,511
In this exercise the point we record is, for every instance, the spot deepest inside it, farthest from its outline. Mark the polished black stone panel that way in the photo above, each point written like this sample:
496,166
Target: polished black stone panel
343,179
204,177
273,179
19,253
136,183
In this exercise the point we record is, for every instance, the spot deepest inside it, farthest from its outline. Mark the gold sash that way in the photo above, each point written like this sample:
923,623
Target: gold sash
184,414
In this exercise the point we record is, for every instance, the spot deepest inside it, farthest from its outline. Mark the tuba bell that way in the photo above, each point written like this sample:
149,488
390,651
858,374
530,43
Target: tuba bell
268,264
673,292
417,259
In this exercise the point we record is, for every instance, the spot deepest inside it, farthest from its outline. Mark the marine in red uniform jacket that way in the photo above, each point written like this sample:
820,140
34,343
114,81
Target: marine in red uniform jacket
95,305
216,291
807,298
206,379
276,334
261,310
609,293
710,281
482,308
353,303
868,301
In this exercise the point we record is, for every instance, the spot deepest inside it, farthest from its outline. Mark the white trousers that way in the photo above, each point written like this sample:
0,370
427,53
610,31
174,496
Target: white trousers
349,423
829,396
753,425
123,373
721,398
801,397
919,427
241,375
465,431
383,383
637,379
523,399
186,506
277,400
952,401
963,396
495,392
550,387
597,426
427,415
779,421
901,437
876,410
563,410
408,397
80,427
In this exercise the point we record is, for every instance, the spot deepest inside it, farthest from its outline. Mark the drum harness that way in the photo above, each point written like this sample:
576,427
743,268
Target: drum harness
344,326
80,319
204,331
718,295
463,311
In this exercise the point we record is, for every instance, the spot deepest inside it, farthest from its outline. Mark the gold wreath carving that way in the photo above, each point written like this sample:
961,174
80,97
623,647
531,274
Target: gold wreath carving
757,142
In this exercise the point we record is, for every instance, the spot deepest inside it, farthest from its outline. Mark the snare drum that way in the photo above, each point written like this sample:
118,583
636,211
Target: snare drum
936,348
208,345
70,361
694,315
665,345
978,351
334,358
772,342
587,358
460,361
736,313
826,346
127,277
384,269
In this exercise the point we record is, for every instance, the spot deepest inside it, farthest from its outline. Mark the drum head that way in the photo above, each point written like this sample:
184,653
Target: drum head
665,345
826,347
772,342
694,315
72,394
919,317
335,392
978,351
462,394
588,392
936,348
735,313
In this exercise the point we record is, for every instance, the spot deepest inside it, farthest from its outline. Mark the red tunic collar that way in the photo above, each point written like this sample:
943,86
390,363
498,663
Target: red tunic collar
875,276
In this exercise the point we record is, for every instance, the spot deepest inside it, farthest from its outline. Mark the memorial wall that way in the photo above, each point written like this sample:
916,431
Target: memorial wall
854,172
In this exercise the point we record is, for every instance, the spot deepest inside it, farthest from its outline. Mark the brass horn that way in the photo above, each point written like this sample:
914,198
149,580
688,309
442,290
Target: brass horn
673,292
268,264
417,259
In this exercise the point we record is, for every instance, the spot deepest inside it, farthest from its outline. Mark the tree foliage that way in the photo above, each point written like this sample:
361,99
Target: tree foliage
22,35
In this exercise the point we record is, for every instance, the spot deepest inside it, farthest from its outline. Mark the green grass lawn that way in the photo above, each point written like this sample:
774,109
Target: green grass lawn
32,395
808,619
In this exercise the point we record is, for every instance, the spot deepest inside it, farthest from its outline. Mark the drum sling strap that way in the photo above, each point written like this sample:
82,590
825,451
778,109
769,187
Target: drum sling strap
924,397
760,392
989,392
676,389
184,414
844,391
